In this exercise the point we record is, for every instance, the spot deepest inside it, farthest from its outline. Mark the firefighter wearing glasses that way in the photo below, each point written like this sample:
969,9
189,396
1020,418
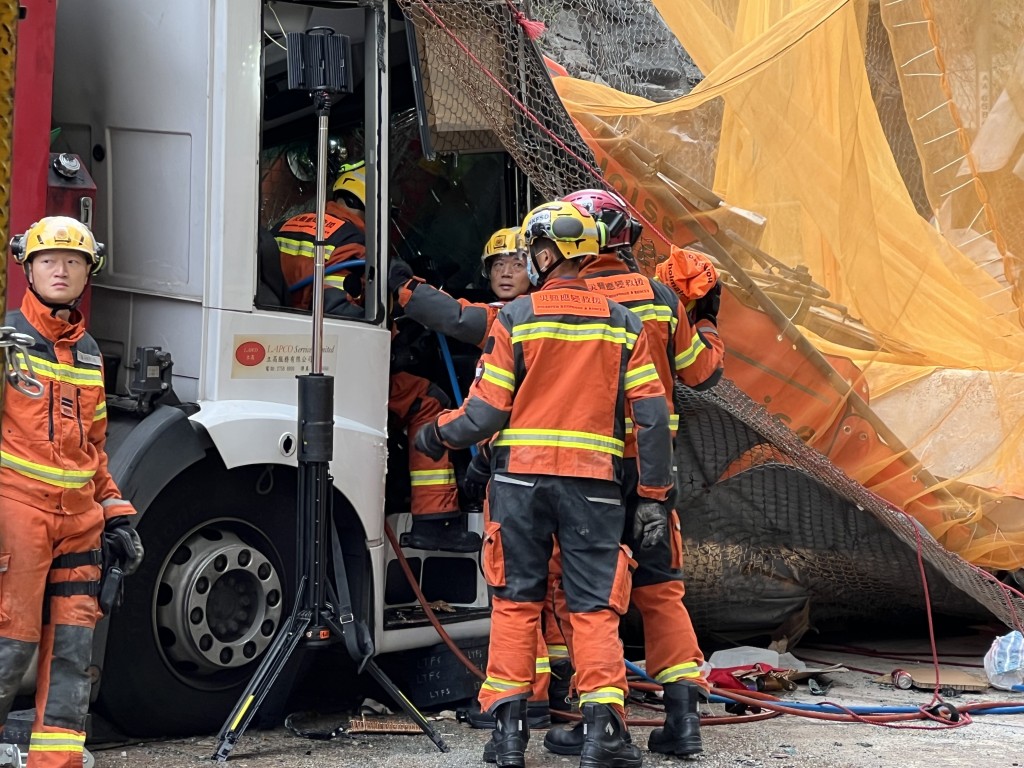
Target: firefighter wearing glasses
562,370
57,499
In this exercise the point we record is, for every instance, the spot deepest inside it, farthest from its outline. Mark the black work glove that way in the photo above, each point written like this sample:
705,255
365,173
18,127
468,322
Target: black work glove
399,273
428,441
353,284
707,306
123,543
650,523
478,474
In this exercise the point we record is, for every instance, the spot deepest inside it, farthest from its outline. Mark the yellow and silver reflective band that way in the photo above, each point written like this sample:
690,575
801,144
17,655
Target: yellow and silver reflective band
56,742
543,665
687,671
612,696
432,477
499,377
57,476
687,357
573,332
335,281
291,247
561,438
68,374
648,312
101,411
673,423
641,375
558,652
503,686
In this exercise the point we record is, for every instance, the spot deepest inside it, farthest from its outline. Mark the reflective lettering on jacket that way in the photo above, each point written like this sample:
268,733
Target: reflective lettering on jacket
344,239
52,448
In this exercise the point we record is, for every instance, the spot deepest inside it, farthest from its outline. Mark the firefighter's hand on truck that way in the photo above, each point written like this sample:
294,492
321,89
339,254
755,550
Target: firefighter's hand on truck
399,273
124,544
428,441
650,524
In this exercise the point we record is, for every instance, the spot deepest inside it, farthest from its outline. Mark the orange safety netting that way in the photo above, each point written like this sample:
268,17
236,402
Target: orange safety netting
889,173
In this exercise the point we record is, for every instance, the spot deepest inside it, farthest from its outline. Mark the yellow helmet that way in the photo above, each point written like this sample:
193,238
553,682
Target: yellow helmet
501,243
574,231
58,233
351,182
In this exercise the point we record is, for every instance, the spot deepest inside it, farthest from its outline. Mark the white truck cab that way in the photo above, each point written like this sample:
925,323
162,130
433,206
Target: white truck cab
181,113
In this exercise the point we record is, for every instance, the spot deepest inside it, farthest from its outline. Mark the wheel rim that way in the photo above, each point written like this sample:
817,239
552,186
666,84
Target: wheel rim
218,603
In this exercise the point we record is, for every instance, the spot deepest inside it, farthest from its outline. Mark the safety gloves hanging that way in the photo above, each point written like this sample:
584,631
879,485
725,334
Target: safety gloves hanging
707,306
478,474
650,524
123,543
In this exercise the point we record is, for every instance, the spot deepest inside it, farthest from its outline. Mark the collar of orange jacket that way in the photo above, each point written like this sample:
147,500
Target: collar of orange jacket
53,328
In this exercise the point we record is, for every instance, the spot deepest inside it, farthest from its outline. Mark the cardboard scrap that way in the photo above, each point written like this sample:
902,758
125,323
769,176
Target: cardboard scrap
950,678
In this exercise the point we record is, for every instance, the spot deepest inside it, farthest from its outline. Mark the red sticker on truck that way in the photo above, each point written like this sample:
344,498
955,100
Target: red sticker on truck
250,353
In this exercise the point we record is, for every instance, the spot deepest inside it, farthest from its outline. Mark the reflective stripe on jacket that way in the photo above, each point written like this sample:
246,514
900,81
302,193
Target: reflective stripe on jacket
52,453
561,371
344,239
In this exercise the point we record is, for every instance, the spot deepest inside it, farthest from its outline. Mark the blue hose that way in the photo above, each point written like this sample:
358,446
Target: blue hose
446,354
350,264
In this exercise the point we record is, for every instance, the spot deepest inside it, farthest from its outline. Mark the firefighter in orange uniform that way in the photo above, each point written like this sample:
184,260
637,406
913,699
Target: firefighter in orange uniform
504,267
693,353
561,371
468,322
58,502
344,240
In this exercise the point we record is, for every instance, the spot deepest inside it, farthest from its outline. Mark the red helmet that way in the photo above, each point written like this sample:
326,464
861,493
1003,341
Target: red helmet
621,229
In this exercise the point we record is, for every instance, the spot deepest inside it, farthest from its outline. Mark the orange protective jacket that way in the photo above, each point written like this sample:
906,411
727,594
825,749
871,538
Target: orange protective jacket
344,239
692,353
52,453
561,371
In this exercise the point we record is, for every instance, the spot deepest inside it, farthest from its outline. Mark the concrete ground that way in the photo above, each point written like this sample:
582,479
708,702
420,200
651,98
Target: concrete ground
991,741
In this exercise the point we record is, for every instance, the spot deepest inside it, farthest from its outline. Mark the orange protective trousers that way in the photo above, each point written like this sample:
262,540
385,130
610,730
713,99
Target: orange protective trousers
415,402
30,539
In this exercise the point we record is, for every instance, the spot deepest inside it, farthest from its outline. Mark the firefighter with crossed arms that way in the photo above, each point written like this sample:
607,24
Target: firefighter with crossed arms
561,371
685,345
58,502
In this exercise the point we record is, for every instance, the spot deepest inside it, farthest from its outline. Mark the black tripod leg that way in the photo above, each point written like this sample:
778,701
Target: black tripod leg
267,672
410,709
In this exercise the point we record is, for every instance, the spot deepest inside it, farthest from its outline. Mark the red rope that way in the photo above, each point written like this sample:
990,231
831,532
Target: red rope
532,29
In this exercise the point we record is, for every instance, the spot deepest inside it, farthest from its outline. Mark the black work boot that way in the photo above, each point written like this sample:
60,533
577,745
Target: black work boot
441,535
681,732
604,740
568,740
558,688
507,746
537,716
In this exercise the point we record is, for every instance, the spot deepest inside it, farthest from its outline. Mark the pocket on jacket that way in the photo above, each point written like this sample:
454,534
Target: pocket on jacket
675,533
494,555
622,585
5,563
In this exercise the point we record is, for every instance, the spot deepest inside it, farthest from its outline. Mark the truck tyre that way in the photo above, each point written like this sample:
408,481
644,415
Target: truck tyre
212,593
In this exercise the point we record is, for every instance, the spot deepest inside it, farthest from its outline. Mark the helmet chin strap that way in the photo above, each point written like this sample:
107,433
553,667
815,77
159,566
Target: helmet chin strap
539,276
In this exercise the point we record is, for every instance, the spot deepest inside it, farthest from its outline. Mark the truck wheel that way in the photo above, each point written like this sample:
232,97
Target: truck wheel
206,603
